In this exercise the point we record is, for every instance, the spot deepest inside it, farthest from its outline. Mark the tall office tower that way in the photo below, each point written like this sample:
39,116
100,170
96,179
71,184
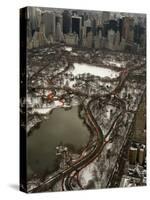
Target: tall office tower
111,39
117,40
143,38
120,26
59,34
85,16
98,18
48,18
74,12
103,42
82,20
105,16
67,22
113,24
128,29
42,28
96,42
100,33
29,31
34,17
88,26
137,33
59,28
59,19
141,156
132,155
140,35
112,16
94,26
89,40
76,25
83,32
105,29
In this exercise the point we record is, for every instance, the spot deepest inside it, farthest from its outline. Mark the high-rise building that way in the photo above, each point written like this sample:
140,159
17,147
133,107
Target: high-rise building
76,25
88,26
34,17
29,31
128,29
49,19
59,19
59,34
100,33
113,24
120,27
117,40
67,22
137,33
111,39
141,156
89,40
96,42
94,26
132,155
105,16
105,29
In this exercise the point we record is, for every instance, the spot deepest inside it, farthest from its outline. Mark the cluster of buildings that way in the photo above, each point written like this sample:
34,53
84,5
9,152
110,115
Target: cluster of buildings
88,29
137,154
135,167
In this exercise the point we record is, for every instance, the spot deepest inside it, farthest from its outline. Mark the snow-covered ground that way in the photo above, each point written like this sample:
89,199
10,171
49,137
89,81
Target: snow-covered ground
94,70
32,101
115,63
68,48
74,54
87,174
46,109
32,123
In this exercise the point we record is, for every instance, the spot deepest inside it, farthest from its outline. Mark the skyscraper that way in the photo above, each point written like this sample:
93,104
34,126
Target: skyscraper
111,39
76,25
128,29
105,16
132,155
66,22
117,40
48,19
141,156
59,34
34,18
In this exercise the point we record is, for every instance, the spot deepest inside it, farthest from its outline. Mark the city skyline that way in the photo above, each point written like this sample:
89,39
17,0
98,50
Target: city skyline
84,82
100,30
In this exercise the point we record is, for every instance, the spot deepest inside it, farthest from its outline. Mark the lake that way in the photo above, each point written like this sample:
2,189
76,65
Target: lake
62,126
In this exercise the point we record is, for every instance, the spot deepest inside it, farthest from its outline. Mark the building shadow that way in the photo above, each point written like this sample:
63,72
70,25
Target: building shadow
14,187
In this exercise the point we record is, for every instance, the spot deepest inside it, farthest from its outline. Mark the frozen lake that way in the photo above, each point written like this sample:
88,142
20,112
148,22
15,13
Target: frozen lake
94,70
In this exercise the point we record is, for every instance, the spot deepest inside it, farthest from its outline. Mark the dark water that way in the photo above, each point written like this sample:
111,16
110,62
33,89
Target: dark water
62,126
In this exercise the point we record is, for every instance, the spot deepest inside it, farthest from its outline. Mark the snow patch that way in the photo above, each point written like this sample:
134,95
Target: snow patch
94,70
68,49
